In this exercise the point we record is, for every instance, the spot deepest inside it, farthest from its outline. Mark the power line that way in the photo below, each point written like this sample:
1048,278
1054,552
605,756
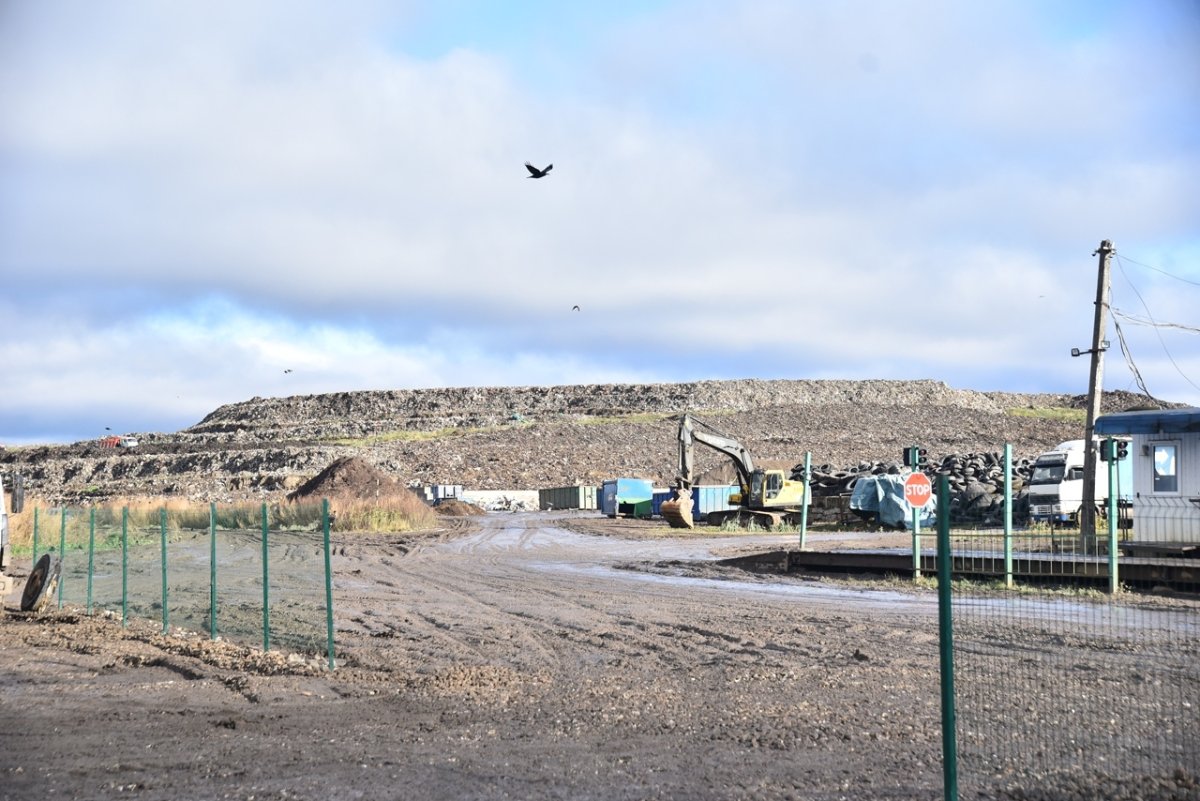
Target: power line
1157,332
1152,324
1157,270
1137,376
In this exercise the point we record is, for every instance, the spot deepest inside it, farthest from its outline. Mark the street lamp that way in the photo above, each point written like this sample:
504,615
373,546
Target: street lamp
1078,352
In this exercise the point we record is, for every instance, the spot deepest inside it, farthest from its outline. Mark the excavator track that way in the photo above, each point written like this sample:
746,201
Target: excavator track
678,511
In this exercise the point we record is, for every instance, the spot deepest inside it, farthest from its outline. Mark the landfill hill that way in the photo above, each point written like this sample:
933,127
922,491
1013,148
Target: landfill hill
535,437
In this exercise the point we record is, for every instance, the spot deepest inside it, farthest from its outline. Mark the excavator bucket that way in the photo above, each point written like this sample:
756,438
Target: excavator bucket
678,511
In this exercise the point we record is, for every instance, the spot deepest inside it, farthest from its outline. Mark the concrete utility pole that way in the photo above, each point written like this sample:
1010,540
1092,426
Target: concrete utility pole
1087,514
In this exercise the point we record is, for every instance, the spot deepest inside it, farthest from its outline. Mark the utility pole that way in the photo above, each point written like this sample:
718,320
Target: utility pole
1087,512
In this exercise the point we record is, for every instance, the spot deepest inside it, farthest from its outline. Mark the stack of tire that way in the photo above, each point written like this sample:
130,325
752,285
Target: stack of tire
976,484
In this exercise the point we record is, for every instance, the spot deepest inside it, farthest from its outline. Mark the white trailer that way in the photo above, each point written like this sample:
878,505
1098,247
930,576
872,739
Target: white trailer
1165,454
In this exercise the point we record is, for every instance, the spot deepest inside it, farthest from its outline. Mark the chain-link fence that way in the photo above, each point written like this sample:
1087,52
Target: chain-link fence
1063,688
254,576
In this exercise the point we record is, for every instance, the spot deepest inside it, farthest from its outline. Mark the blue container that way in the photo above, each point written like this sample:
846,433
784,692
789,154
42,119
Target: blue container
657,500
617,491
711,498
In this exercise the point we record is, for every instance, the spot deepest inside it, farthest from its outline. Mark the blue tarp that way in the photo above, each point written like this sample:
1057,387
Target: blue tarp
884,496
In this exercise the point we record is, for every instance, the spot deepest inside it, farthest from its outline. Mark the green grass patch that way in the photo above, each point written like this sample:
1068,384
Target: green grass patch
1051,413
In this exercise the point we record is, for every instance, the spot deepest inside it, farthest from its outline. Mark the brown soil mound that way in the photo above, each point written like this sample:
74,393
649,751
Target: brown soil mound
350,477
456,508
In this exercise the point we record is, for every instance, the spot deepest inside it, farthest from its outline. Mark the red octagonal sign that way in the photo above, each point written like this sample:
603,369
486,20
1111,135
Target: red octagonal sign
917,489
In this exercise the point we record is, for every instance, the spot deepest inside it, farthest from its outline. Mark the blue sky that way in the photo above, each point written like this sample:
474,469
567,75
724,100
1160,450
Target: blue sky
196,197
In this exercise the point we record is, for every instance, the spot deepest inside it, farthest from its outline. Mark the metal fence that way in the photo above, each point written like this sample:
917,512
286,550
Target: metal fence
1054,685
264,581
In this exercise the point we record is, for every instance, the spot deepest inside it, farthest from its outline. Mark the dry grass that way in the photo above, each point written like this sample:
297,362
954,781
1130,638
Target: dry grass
398,513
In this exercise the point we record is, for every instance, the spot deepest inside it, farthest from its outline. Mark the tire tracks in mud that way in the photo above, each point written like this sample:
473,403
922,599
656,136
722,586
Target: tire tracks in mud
495,594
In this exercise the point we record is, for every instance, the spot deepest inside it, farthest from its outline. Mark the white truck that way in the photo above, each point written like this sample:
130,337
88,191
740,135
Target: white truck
5,555
1056,487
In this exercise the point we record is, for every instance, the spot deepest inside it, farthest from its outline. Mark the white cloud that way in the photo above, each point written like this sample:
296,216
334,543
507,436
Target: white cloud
778,207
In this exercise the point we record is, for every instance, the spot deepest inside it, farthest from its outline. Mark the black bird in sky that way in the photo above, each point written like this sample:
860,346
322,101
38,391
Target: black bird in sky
534,172
574,308
288,370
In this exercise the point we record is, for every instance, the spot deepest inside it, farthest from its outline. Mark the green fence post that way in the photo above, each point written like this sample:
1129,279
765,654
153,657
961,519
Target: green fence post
266,584
124,566
1008,514
91,556
35,534
807,499
328,585
1114,583
162,524
946,650
62,555
212,571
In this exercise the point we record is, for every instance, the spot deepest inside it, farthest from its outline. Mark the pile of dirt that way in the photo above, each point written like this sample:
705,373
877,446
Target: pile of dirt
453,507
349,477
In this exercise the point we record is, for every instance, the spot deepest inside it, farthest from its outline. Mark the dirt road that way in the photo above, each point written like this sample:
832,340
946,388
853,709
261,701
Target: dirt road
516,660
511,657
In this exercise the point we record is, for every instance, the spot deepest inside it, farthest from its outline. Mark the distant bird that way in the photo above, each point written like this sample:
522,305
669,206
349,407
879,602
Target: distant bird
106,428
534,172
574,308
288,370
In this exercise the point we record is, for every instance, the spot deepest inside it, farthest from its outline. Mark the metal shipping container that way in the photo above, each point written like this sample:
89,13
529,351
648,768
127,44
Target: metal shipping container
567,498
616,491
711,498
657,499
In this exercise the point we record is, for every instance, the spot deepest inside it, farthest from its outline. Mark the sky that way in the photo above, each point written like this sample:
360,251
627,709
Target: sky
205,202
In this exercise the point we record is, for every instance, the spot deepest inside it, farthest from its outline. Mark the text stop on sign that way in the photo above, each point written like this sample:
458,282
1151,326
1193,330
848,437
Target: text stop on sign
917,489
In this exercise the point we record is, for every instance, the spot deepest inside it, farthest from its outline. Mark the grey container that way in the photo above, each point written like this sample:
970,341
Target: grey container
567,498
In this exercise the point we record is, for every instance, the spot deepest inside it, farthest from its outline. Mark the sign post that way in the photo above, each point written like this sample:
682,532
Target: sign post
917,491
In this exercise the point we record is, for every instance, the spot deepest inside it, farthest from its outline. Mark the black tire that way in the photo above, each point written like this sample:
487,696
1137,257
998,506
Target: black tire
43,580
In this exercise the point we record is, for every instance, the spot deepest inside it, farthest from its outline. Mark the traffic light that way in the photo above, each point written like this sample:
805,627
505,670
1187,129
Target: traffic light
916,457
922,458
909,456
1121,449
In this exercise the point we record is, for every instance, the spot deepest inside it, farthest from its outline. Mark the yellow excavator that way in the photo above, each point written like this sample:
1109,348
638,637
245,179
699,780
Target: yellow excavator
766,498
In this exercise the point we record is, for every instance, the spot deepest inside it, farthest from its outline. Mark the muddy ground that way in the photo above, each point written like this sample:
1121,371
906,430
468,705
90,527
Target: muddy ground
509,656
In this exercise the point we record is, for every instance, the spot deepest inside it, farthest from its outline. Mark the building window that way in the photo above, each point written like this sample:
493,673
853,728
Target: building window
1166,468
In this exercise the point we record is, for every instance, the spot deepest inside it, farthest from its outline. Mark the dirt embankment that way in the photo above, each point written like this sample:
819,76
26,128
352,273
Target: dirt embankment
534,437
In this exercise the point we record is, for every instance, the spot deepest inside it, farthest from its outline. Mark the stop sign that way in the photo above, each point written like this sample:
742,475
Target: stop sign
917,489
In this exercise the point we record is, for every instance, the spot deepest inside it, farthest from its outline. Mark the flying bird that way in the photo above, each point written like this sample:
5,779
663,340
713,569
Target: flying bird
288,370
574,308
534,172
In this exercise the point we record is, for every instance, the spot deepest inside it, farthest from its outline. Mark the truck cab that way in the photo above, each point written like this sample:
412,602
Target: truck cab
1056,486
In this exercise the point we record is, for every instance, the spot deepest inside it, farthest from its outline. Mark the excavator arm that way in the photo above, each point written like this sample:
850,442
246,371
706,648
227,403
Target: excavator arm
678,510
